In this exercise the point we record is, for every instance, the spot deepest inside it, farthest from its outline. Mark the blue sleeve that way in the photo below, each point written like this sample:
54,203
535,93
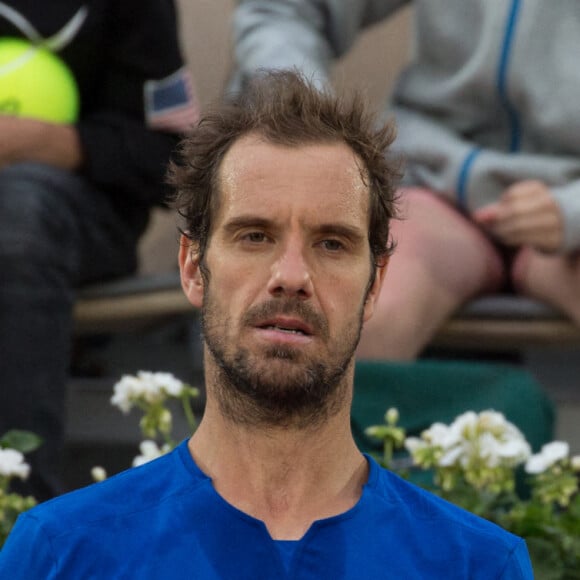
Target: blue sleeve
518,566
27,553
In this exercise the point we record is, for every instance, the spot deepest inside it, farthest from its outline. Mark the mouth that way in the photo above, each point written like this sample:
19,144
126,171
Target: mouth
290,326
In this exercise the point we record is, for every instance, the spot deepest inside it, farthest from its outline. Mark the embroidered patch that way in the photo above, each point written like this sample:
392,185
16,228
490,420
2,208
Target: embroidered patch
170,103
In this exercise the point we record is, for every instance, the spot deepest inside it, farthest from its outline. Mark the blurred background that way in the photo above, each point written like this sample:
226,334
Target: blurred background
99,434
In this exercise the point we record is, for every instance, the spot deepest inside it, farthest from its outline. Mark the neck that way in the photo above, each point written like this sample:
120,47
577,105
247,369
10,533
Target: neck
286,477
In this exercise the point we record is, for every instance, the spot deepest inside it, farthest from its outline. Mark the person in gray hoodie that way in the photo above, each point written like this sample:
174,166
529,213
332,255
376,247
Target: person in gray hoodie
489,132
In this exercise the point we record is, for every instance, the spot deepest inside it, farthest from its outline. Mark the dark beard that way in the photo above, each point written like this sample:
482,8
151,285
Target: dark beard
256,393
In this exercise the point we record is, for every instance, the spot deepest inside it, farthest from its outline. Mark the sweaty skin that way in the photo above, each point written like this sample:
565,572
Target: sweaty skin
286,293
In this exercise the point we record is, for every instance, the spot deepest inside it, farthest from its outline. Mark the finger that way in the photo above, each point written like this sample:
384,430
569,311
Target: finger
541,231
486,215
526,190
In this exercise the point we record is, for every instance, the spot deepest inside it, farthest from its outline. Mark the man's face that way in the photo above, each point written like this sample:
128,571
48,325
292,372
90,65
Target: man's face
287,291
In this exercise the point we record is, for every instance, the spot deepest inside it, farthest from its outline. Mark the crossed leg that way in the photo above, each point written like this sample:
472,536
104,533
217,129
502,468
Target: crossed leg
441,260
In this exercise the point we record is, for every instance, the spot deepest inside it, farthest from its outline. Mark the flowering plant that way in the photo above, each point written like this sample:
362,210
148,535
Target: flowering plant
13,445
150,392
475,463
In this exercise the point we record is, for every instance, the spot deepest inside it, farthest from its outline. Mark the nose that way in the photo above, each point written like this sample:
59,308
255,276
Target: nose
291,274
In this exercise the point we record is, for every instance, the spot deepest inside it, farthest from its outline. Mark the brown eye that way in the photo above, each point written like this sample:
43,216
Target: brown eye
332,245
255,237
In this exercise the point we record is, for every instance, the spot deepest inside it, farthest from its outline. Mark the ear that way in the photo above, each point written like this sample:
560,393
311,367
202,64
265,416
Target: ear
191,278
375,290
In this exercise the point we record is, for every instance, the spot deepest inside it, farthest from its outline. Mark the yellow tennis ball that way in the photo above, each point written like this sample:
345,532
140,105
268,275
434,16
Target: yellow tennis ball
36,83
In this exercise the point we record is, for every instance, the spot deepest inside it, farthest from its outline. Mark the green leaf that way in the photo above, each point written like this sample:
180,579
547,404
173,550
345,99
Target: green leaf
23,441
545,561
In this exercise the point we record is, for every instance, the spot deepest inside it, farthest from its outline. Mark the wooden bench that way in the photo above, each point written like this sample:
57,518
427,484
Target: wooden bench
496,322
130,303
507,323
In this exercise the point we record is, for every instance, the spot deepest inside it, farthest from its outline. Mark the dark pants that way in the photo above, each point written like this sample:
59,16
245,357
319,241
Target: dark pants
56,233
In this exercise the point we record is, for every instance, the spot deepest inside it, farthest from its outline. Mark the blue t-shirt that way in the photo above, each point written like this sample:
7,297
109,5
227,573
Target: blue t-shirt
164,520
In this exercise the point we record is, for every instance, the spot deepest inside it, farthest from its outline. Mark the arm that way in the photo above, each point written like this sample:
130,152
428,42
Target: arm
125,139
495,180
518,566
32,140
307,34
26,554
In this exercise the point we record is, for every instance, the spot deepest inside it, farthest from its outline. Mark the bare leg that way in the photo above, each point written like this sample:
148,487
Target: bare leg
554,279
441,260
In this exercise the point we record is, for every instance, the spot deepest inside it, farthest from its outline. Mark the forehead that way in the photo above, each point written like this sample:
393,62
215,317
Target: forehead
314,181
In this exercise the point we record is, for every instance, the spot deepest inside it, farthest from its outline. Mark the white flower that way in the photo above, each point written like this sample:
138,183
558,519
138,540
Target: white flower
575,463
489,449
149,451
392,416
167,383
451,456
12,464
493,421
549,454
125,392
165,421
412,444
486,438
464,425
146,386
440,435
515,450
98,473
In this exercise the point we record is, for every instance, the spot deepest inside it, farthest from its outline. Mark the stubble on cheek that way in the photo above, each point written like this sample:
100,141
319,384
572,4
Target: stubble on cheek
277,386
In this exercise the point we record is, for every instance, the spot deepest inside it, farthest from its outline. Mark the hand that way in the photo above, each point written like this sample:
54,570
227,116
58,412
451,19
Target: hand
526,215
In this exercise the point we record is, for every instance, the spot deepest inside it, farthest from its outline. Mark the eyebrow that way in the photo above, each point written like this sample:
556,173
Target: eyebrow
353,233
247,222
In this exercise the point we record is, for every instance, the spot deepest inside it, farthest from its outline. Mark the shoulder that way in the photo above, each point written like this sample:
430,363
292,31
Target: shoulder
442,527
125,518
137,489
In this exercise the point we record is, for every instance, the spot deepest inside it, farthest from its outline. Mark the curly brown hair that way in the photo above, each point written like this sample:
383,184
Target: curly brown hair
284,108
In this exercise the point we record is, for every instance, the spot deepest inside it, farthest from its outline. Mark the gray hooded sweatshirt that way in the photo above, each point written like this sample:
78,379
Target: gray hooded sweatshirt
491,97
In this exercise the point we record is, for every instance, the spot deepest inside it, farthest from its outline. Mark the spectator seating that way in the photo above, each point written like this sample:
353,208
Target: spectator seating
129,303
496,322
